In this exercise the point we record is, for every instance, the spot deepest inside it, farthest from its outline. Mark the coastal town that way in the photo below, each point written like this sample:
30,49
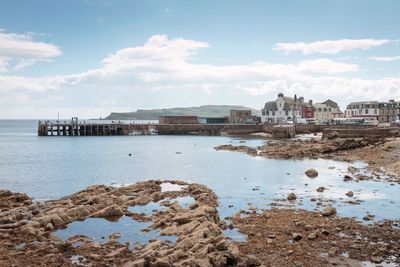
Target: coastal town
205,133
295,110
278,117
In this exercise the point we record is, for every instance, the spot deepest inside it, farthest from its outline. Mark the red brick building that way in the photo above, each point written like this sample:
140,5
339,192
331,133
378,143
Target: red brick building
240,116
309,110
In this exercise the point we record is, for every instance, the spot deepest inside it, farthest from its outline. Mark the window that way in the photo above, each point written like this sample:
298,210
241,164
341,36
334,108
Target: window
267,112
324,109
286,112
273,113
263,112
319,109
366,111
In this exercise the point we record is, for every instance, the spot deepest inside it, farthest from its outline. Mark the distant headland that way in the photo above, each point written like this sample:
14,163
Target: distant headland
154,114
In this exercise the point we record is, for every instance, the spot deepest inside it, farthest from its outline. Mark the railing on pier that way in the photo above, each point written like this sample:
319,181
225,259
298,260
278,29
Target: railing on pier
85,128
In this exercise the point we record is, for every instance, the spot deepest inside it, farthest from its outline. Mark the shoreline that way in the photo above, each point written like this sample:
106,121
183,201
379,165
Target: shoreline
382,155
274,236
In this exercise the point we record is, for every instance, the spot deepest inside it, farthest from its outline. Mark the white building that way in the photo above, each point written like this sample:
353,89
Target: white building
327,111
284,109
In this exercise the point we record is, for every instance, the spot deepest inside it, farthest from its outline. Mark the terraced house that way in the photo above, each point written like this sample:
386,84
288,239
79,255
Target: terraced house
327,111
382,112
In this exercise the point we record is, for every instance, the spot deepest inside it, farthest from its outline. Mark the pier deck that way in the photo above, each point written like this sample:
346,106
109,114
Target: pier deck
89,128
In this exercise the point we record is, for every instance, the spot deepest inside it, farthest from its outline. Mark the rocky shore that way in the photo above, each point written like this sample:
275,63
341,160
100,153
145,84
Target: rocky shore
381,154
27,228
291,237
276,237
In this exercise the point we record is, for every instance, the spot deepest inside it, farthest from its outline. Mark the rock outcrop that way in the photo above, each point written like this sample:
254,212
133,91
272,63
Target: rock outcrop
27,228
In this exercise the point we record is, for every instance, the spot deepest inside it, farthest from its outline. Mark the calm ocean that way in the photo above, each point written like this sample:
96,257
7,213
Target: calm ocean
52,167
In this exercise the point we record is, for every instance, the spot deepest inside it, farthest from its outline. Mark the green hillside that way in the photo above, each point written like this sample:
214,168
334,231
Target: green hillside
153,114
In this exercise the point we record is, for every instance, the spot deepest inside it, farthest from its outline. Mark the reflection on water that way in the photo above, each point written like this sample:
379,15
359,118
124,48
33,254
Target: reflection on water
152,207
100,229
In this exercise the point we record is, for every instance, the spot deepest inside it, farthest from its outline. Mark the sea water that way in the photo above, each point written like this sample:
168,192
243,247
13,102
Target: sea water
53,167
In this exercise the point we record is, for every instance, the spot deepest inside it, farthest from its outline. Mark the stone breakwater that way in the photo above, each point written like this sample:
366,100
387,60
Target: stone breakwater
27,228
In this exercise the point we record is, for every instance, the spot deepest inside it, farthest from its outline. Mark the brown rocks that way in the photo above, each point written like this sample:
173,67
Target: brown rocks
109,212
312,236
352,169
376,259
297,237
320,189
331,135
49,227
253,261
328,211
198,229
325,238
29,231
347,178
350,194
162,263
291,197
312,173
333,251
368,217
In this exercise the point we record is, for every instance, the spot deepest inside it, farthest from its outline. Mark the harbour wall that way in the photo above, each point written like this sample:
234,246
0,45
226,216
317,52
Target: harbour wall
100,129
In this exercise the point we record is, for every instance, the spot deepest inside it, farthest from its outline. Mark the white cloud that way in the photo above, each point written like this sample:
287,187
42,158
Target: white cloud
164,72
162,59
324,65
21,83
330,46
385,59
19,50
363,89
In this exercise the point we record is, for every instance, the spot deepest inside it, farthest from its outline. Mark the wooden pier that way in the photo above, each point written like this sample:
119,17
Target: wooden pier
83,128
104,128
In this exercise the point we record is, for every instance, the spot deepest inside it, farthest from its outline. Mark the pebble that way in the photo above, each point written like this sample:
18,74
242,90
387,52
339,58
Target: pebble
350,194
312,173
376,259
320,189
253,261
329,210
291,196
347,178
312,235
296,237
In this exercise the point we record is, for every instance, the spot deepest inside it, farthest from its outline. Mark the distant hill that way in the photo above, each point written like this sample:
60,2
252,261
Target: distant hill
153,114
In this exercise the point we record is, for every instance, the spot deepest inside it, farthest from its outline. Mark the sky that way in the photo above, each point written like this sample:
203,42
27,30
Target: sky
88,58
